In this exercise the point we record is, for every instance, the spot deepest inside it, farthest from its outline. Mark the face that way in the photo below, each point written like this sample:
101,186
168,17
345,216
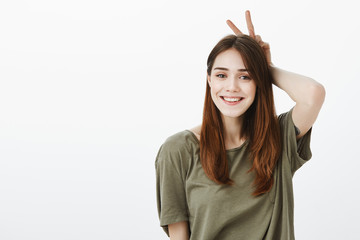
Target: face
232,89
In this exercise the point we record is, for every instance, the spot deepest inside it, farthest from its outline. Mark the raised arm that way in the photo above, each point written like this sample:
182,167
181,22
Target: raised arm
308,94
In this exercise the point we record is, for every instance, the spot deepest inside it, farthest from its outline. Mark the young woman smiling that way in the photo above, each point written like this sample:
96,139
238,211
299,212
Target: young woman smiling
231,177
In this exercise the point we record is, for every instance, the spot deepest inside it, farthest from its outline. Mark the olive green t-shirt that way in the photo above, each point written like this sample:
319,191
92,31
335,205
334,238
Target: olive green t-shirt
222,212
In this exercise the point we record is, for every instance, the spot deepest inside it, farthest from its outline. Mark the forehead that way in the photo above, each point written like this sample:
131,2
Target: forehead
230,58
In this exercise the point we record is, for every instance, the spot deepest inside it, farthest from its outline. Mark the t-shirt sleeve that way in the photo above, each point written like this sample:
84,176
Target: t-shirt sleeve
170,185
298,151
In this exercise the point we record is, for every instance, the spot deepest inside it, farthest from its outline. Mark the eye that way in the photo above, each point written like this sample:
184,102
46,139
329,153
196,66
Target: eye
221,75
245,77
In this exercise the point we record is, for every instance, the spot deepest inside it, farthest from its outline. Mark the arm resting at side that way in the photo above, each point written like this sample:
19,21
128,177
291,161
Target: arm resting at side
179,231
308,95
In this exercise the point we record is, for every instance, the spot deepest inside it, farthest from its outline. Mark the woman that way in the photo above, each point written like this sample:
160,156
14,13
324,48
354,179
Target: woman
231,177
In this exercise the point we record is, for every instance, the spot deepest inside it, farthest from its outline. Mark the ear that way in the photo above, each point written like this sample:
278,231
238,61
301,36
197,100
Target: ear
208,79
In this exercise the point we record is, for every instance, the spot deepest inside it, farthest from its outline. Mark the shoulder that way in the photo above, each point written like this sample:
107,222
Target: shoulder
286,119
180,144
297,150
179,139
177,152
283,115
287,127
196,131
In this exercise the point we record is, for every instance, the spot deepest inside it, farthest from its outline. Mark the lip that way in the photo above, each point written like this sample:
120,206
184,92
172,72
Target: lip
232,103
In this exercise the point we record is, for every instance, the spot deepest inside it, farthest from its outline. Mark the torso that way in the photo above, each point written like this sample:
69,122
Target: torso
216,211
197,130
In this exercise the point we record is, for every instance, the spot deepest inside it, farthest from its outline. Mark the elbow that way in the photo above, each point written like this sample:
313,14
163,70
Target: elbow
319,93
316,94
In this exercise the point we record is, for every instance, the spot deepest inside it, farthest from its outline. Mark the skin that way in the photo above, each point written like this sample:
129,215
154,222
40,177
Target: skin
179,231
307,94
229,78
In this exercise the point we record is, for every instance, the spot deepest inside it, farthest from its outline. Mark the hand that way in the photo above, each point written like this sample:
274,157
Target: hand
265,46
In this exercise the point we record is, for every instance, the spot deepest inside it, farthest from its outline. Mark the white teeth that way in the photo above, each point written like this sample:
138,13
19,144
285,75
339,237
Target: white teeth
232,99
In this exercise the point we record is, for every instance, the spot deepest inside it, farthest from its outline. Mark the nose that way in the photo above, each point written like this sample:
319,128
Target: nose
232,85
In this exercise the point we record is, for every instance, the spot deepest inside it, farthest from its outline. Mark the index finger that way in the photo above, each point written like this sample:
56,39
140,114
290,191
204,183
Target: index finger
249,24
233,27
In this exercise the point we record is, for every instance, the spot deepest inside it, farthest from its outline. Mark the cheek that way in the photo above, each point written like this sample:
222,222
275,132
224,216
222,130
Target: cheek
250,89
253,88
214,88
213,94
254,91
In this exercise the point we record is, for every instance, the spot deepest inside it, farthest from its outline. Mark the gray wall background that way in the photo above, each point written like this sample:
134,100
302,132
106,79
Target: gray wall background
89,90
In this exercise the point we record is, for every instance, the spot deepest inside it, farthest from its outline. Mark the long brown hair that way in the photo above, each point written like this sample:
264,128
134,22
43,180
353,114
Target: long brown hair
260,125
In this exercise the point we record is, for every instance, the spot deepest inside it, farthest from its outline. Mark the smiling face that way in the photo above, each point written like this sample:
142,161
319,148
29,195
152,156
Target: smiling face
232,89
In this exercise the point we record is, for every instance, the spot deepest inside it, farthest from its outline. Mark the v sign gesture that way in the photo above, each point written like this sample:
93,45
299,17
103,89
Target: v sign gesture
265,46
239,107
308,94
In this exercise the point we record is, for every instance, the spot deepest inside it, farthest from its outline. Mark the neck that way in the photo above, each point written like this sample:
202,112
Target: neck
233,135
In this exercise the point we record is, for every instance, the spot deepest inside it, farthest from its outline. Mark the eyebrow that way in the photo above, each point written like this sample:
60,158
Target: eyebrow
226,69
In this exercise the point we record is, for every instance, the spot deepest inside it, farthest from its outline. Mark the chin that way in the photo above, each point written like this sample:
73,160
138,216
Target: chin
233,115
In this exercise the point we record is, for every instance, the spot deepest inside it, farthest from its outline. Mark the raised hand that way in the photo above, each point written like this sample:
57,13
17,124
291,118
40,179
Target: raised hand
265,46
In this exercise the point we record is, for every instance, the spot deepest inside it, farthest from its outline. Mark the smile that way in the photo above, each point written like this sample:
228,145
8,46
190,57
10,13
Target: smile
231,100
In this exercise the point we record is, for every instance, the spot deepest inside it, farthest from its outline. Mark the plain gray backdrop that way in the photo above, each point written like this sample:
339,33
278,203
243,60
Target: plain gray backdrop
89,90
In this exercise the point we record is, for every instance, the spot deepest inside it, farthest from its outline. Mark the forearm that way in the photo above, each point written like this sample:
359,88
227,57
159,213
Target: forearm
301,89
179,231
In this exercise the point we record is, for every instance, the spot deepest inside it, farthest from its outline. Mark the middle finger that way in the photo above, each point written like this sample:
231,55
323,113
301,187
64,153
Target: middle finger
249,24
